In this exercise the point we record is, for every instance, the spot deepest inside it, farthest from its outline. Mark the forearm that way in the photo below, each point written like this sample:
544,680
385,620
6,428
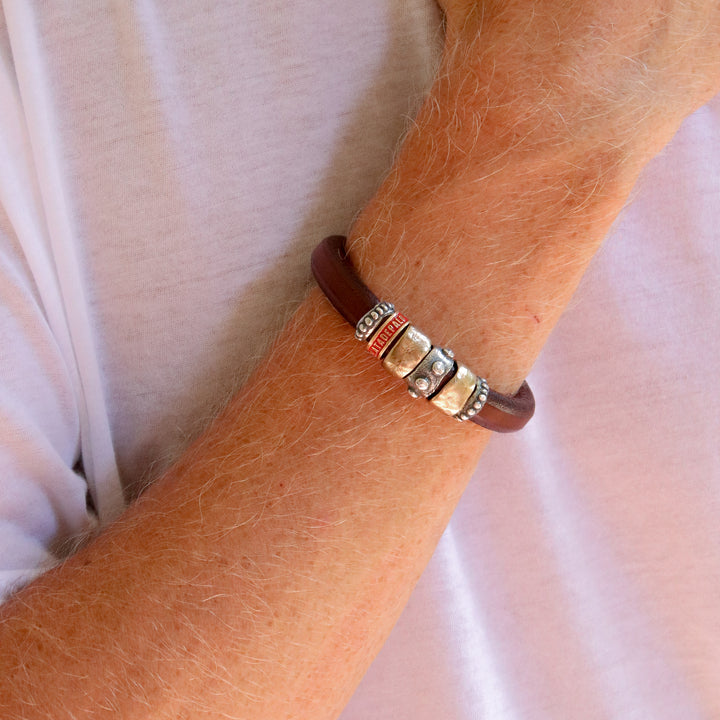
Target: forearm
259,577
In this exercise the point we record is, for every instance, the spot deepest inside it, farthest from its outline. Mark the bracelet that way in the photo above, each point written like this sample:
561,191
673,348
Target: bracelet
430,372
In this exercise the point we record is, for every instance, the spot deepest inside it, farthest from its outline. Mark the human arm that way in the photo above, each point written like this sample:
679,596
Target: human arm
343,412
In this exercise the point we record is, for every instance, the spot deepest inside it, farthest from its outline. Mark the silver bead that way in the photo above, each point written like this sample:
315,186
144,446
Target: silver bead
372,320
477,399
423,378
454,394
404,356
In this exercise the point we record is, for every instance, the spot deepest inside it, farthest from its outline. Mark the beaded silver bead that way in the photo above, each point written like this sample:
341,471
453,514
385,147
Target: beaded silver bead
476,401
372,320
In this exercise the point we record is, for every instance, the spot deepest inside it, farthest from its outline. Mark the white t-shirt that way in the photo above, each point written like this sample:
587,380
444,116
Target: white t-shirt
165,170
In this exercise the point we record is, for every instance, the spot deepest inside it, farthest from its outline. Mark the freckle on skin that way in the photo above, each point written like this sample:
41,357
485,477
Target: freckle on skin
535,317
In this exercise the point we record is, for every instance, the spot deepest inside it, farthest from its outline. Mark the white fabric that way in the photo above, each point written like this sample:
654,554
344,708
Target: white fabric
165,169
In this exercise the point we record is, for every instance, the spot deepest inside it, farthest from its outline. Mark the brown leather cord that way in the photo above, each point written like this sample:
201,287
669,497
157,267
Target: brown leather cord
337,278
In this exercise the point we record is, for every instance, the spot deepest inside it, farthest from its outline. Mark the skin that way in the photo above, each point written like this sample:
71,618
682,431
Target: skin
260,576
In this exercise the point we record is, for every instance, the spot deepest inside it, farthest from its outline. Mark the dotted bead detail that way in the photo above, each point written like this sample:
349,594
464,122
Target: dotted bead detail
372,319
476,401
438,368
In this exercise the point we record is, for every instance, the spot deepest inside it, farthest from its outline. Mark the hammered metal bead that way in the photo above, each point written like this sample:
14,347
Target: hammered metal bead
423,380
456,392
405,355
372,320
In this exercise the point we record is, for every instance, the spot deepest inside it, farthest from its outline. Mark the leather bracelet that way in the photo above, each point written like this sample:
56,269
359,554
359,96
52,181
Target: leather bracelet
430,372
